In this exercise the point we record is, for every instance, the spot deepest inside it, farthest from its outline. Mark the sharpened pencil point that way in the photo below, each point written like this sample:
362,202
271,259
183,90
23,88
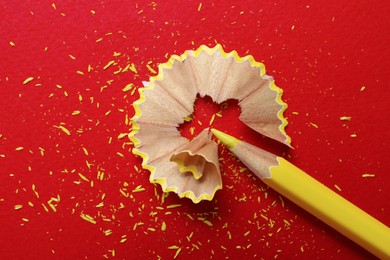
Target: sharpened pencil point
226,139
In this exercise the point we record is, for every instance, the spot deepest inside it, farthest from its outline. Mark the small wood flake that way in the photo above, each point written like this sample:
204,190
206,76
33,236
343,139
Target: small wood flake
163,226
177,253
88,218
128,87
345,118
109,64
64,129
212,119
368,175
208,223
173,206
138,189
122,135
151,69
28,80
133,68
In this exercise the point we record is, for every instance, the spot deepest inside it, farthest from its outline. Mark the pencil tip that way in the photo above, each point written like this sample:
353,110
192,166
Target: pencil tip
226,139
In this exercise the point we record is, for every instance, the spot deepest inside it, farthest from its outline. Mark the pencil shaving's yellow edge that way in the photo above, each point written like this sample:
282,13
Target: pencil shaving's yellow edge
228,140
136,128
188,168
234,54
330,207
281,117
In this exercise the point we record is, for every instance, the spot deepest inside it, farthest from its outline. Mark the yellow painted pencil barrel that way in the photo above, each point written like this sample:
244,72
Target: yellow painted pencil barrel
330,207
312,196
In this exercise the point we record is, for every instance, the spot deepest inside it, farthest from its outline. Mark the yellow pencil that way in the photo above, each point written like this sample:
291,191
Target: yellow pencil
312,196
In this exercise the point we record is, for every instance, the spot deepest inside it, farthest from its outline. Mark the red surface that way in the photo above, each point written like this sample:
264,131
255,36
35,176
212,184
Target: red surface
321,54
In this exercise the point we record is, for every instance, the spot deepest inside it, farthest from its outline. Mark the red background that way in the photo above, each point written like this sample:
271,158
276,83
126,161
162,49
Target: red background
321,54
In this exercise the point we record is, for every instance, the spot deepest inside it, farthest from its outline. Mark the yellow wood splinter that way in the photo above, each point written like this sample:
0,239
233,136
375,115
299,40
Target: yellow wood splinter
312,196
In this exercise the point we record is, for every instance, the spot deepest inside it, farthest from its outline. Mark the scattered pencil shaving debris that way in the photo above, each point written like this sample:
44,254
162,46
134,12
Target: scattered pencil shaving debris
207,222
139,188
189,216
137,224
133,68
18,207
125,194
163,226
100,175
212,119
122,135
177,253
337,187
353,135
128,87
83,177
88,218
20,148
109,64
85,151
53,203
173,206
63,129
76,112
368,175
123,240
345,118
28,80
151,69
107,232
314,125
